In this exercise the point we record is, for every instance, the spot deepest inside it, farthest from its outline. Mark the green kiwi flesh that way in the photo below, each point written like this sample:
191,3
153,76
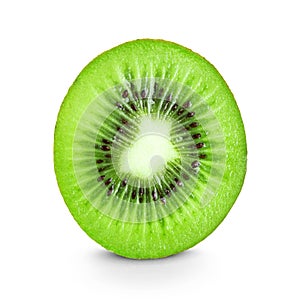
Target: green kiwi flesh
150,149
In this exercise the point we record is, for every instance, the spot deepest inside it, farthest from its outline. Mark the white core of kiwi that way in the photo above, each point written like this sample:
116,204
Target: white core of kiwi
151,149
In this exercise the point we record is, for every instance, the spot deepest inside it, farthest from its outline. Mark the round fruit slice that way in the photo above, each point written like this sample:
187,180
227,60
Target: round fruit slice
150,149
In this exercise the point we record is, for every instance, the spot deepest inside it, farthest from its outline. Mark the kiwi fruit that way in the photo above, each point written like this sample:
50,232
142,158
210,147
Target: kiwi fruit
149,149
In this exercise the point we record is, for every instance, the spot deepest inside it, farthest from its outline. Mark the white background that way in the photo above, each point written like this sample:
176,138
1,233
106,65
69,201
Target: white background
254,254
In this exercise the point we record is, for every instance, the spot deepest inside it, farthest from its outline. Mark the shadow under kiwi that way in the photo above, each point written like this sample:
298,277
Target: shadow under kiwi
169,270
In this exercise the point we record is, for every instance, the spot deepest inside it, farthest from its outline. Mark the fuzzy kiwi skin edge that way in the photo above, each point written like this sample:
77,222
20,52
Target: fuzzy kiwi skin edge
177,232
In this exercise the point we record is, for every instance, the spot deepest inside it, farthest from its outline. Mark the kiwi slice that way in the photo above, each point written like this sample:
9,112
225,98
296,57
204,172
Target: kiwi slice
150,149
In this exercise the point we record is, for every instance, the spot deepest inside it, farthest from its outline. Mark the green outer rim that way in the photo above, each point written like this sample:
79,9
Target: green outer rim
177,232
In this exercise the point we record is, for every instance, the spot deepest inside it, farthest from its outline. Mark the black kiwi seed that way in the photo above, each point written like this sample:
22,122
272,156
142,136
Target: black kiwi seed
172,187
199,145
185,176
124,182
180,111
119,105
187,104
101,170
108,181
169,98
168,193
125,122
194,124
100,178
202,156
125,94
196,136
108,155
141,191
154,195
105,148
120,129
110,190
174,107
195,164
143,94
105,141
163,200
140,200
99,161
133,194
178,182
133,107
190,114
